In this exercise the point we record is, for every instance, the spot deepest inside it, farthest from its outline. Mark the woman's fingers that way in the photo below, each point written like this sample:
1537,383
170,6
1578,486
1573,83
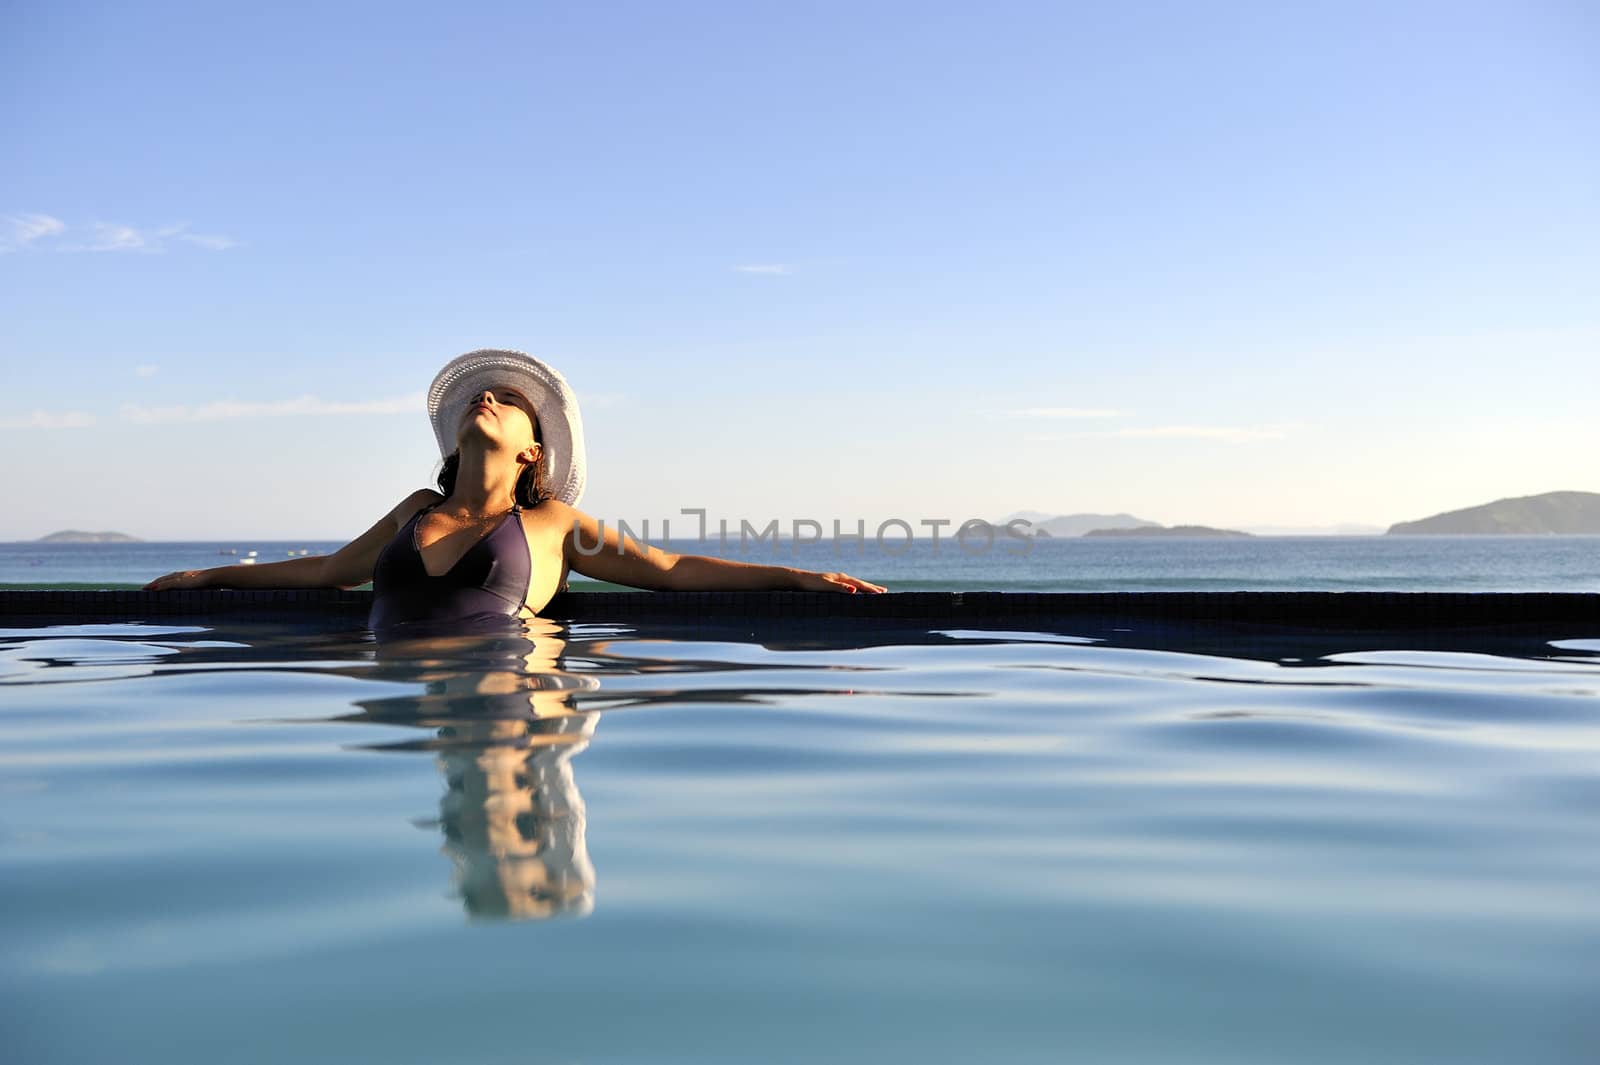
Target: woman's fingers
182,579
846,583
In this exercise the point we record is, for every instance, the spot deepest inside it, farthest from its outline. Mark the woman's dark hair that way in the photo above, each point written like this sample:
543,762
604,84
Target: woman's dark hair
530,491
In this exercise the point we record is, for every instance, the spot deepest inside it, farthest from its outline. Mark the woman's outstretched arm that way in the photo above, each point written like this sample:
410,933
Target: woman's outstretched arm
347,567
622,560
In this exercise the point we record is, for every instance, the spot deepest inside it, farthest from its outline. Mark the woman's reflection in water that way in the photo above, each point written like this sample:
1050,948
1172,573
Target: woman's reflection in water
507,732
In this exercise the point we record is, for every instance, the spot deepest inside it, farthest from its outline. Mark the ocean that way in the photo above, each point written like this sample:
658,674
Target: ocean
1312,563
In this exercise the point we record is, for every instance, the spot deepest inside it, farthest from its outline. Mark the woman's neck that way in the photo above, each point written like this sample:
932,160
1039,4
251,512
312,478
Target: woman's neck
485,483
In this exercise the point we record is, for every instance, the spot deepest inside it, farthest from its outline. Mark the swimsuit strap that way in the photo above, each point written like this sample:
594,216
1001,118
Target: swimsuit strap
418,516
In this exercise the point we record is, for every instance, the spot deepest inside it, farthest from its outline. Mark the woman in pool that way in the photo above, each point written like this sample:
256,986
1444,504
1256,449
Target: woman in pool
502,532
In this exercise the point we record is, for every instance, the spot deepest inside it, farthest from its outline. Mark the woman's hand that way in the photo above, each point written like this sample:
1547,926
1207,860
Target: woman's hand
811,581
187,578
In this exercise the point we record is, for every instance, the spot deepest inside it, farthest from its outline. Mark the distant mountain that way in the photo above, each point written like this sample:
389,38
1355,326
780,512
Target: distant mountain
1074,524
77,536
1035,516
1175,530
1554,513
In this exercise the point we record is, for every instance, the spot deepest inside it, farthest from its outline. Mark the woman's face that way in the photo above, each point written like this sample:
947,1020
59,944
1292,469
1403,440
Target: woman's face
504,414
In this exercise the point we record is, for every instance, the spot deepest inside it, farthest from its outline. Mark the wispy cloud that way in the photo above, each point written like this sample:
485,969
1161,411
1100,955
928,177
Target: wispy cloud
208,241
1054,412
767,269
43,232
1233,434
107,236
146,371
45,419
111,236
1228,434
230,410
18,231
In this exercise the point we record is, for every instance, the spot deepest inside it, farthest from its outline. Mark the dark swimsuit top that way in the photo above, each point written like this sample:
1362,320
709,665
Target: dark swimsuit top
489,581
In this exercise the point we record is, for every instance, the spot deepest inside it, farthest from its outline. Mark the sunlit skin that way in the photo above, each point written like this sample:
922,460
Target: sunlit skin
496,441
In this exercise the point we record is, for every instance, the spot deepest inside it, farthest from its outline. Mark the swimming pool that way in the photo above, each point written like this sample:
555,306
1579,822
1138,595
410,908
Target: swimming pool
640,840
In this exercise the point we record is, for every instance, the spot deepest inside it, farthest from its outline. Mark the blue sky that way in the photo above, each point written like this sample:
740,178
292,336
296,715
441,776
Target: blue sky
1238,264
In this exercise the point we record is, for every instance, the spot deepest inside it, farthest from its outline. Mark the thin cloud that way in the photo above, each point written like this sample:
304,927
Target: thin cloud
44,232
146,371
208,241
765,269
21,230
1231,434
107,236
300,406
1055,412
44,419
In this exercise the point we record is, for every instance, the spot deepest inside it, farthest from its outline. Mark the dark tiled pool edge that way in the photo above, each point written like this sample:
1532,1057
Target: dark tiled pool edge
1358,610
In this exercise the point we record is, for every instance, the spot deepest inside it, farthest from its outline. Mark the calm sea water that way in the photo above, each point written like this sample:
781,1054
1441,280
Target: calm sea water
616,844
1335,563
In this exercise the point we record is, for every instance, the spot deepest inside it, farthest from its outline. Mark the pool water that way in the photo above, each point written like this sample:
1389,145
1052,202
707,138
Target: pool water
612,843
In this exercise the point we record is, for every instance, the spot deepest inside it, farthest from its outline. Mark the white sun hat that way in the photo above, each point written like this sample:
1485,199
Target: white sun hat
560,427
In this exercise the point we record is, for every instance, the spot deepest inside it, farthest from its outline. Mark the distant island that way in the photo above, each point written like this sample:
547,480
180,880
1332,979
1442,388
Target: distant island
78,536
1174,530
1045,525
1550,514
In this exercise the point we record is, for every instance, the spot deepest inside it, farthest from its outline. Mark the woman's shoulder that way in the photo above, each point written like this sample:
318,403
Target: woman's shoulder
556,507
407,508
548,512
551,517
